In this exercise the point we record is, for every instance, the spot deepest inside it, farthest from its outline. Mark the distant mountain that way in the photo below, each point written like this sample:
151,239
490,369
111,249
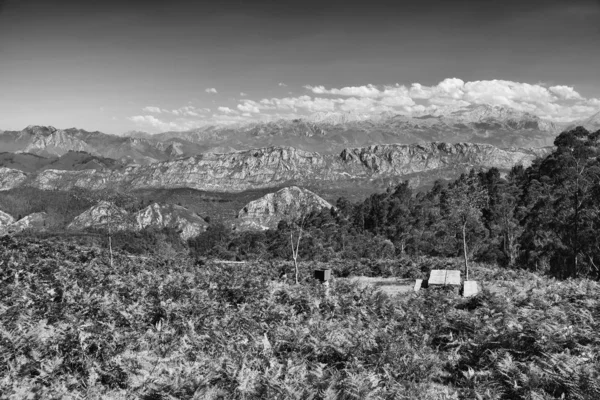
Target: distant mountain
592,123
70,161
373,168
326,133
331,132
287,203
48,141
105,214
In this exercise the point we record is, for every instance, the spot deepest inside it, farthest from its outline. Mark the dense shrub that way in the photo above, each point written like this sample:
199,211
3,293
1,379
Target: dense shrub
72,326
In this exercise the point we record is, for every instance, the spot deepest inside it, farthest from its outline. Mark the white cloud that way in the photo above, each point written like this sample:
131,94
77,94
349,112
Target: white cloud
242,94
565,92
554,102
157,124
249,106
357,91
152,109
281,84
558,102
210,90
226,110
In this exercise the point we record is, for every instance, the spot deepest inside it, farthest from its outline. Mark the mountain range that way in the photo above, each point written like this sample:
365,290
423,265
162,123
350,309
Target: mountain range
331,132
326,133
375,167
326,150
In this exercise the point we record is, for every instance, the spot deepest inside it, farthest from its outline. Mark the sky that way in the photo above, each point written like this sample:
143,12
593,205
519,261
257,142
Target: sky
116,66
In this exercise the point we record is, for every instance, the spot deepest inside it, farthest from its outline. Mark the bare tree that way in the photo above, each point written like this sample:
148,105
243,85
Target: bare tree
465,200
299,220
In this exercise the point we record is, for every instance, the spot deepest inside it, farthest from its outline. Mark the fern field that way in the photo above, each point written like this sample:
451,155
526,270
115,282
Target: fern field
72,327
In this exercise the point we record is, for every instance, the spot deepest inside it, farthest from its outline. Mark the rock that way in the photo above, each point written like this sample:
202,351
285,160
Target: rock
5,219
11,178
100,216
374,166
172,216
155,215
35,221
287,203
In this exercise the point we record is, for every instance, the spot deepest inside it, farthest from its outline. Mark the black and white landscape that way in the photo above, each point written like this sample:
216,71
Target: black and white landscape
299,200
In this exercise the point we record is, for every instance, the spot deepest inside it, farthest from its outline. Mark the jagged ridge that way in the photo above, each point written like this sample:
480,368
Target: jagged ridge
281,166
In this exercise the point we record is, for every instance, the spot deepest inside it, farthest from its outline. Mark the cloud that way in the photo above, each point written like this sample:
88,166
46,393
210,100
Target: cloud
186,111
249,106
242,94
226,110
565,92
357,91
152,109
281,84
153,122
559,103
210,90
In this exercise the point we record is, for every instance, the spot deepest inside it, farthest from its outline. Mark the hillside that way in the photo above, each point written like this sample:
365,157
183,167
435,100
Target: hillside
373,167
126,329
286,204
47,141
69,161
106,215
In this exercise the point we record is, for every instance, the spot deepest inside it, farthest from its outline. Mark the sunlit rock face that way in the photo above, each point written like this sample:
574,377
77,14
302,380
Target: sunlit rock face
36,221
288,203
105,214
187,223
11,178
281,166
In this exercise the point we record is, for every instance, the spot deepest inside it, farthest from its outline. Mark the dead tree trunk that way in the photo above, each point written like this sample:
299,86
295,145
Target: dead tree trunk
464,237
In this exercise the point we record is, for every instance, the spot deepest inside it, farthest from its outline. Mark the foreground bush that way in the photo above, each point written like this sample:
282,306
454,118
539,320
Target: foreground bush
72,327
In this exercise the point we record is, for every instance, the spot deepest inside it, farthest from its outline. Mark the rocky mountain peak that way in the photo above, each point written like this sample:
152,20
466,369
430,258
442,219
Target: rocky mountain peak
286,204
100,216
156,215
40,130
171,216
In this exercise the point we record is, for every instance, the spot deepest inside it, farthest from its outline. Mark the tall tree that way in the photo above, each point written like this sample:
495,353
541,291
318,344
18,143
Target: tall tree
463,203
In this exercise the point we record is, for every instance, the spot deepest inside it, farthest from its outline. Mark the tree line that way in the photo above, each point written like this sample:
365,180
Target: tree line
545,217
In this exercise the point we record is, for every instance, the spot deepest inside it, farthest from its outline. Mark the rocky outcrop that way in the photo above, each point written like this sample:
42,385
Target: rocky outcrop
102,216
35,221
286,204
156,215
11,178
281,166
5,219
187,223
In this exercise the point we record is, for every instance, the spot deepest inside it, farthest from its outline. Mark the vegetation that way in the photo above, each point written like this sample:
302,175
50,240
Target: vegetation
544,218
72,327
151,317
